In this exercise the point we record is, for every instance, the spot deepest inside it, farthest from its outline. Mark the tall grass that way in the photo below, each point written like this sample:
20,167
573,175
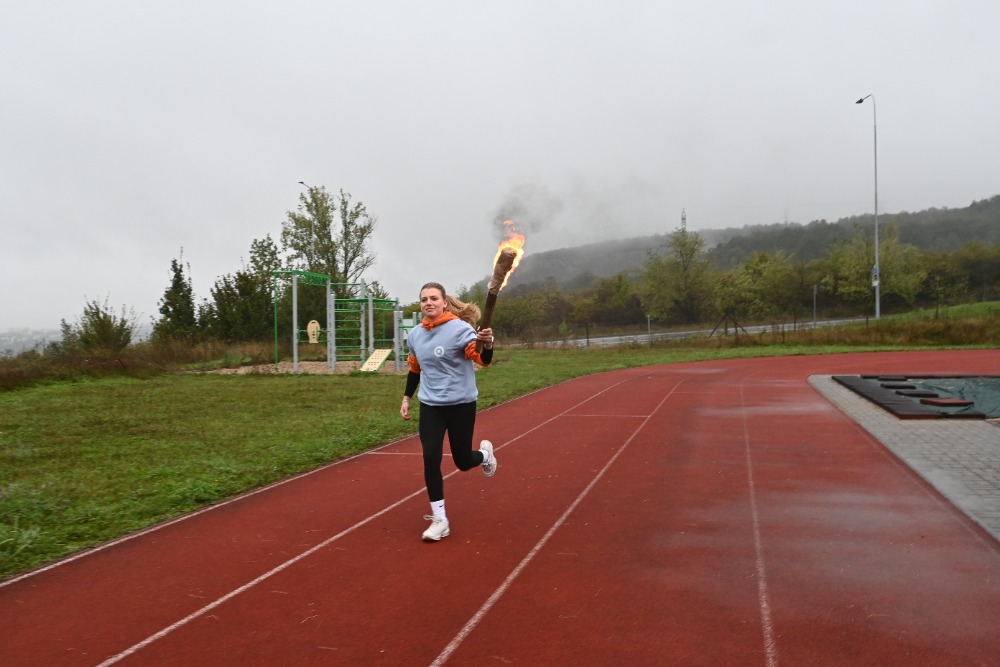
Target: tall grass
145,359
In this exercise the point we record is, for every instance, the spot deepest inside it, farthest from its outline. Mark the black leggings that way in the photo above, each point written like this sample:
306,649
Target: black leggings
458,421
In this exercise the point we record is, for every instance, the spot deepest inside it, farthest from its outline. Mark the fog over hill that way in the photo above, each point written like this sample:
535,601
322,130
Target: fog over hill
931,230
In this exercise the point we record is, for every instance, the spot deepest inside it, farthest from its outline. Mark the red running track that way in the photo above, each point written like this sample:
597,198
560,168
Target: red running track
719,513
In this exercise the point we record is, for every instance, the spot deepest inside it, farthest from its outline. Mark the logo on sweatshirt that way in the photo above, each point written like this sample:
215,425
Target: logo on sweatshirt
439,351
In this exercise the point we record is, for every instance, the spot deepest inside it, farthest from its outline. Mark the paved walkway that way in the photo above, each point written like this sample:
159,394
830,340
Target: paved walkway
958,457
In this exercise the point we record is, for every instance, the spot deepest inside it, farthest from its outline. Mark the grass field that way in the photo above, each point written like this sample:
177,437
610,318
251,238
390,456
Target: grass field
86,461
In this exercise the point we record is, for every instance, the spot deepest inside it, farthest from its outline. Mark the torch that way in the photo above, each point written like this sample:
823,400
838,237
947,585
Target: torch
508,257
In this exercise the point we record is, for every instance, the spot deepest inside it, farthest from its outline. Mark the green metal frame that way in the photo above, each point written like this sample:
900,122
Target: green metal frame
306,278
353,318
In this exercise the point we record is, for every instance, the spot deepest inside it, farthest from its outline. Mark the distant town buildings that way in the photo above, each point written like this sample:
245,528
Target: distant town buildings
16,341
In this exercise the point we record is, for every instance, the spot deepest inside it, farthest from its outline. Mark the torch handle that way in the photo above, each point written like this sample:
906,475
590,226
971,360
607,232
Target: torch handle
491,302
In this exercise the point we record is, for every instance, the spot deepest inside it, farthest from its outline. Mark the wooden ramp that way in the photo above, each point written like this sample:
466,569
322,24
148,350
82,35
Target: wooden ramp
375,361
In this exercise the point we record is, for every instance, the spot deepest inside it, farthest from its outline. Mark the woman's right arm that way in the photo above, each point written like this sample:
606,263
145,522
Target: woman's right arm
412,380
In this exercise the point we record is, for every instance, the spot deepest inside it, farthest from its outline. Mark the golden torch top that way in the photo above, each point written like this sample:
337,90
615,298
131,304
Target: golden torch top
509,255
504,263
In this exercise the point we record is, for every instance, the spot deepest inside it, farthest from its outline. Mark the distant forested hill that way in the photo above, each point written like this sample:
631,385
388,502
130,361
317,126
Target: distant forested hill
933,230
572,268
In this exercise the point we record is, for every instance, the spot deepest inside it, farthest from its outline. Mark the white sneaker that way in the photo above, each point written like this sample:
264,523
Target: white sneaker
438,529
489,469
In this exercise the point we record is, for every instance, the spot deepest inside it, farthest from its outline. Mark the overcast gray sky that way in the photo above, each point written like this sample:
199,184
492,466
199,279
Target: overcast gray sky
134,129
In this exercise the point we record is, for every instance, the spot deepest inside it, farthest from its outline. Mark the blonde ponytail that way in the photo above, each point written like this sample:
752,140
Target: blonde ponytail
468,312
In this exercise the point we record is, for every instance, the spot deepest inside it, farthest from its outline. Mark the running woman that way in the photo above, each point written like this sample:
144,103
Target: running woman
442,354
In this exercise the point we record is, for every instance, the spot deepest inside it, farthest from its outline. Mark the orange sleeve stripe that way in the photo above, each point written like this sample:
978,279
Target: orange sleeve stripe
470,353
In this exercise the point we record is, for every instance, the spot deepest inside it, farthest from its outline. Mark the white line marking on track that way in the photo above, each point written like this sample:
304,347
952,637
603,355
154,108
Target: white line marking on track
191,515
267,575
498,593
767,626
245,587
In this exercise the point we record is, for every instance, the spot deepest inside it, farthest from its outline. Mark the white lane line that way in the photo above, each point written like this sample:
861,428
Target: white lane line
498,593
267,575
210,508
245,587
767,626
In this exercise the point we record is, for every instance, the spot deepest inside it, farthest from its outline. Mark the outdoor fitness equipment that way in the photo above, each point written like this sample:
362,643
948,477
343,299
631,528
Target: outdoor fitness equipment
363,329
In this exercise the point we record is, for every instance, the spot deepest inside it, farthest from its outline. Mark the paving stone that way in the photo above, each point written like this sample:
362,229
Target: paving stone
959,458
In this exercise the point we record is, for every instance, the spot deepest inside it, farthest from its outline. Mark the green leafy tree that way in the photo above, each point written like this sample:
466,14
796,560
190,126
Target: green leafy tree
264,256
556,307
677,285
376,290
517,318
774,286
848,270
475,294
980,264
306,233
907,270
735,296
99,331
945,286
242,306
178,315
330,235
356,228
614,299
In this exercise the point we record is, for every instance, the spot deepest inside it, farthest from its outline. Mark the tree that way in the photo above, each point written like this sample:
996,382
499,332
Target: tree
774,284
242,306
615,299
330,235
517,318
356,228
734,297
556,307
980,264
847,272
677,285
848,269
376,290
99,332
907,270
306,232
264,256
945,285
178,317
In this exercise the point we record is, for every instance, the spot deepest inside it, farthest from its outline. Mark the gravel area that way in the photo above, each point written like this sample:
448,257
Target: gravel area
309,368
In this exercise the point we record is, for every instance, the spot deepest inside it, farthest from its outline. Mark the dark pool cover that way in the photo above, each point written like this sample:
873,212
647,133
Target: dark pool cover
902,394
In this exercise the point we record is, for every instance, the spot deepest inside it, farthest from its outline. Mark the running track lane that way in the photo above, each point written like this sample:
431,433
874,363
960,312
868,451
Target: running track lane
699,514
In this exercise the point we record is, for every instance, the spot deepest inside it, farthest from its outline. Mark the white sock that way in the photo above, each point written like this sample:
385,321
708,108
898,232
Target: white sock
437,509
486,455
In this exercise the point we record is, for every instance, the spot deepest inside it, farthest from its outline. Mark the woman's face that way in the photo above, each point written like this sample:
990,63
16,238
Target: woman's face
432,302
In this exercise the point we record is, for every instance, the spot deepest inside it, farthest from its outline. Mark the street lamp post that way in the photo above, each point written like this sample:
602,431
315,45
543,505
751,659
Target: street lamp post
876,276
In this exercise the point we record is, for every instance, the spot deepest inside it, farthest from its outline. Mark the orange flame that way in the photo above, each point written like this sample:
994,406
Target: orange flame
513,240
